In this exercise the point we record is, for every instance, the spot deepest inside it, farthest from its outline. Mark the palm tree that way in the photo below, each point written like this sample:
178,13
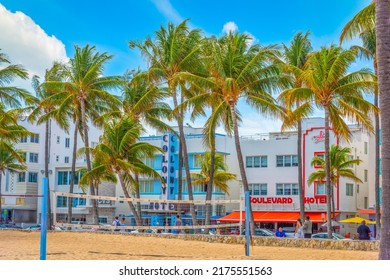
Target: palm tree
11,97
383,56
340,167
11,161
41,114
85,95
363,25
239,71
174,51
329,87
121,155
295,57
221,176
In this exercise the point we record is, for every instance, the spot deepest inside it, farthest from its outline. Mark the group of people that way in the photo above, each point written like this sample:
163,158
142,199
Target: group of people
302,230
117,223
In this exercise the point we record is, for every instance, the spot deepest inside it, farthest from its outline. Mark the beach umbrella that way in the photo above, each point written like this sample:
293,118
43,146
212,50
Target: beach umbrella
357,220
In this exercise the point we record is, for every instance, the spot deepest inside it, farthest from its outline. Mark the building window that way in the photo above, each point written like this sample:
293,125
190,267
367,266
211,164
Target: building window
320,188
33,157
257,189
67,142
62,201
23,139
121,201
199,188
365,175
32,177
146,186
256,161
66,159
20,201
79,202
64,177
58,139
349,189
197,160
149,161
286,161
22,177
34,138
200,210
103,220
365,148
287,189
320,155
221,210
365,202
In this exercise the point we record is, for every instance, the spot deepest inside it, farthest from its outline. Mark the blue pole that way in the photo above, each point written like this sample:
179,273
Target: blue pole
44,219
247,229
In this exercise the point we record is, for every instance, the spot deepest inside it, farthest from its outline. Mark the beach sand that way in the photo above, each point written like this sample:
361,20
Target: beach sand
24,245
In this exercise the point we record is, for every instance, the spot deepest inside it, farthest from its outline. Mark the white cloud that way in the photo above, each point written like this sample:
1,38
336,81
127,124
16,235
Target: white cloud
165,7
26,43
230,26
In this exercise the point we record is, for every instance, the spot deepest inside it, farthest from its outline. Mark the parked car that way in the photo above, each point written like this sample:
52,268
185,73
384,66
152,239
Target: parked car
290,232
10,226
38,227
144,231
335,236
262,232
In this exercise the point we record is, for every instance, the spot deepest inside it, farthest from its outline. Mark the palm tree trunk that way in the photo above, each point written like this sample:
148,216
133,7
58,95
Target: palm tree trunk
333,209
327,167
1,209
209,192
180,181
301,191
377,157
73,169
185,157
137,219
383,55
138,195
241,164
47,128
95,213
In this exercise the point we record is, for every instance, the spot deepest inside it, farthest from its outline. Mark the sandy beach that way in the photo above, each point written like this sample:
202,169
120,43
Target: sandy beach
24,245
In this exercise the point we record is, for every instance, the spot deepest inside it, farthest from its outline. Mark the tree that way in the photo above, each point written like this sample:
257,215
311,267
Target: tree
340,167
239,71
174,51
41,114
295,57
86,94
120,154
383,57
340,94
363,25
12,161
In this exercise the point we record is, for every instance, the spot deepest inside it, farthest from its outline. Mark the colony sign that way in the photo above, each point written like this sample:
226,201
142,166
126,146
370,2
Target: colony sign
285,200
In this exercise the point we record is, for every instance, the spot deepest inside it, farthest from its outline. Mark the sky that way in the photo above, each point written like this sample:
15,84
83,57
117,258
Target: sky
37,33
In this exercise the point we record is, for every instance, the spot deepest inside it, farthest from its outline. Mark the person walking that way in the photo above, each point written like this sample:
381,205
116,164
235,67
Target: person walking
116,223
307,227
123,223
299,229
364,231
178,223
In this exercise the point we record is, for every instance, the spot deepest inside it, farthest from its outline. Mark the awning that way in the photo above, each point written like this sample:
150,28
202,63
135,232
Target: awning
367,211
275,216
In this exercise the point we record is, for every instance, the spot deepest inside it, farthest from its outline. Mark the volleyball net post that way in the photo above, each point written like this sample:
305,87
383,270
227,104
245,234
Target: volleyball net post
45,195
247,224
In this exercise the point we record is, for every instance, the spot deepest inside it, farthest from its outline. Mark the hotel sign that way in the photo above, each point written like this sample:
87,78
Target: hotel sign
320,137
286,200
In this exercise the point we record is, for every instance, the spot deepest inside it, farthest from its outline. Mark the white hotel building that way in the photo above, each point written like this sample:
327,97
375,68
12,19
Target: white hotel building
270,162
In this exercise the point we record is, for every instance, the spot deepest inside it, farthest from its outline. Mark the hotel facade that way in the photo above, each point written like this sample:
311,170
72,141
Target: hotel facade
270,163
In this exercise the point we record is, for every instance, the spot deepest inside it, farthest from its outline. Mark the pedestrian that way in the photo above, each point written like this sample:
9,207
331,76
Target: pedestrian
178,223
123,223
364,231
307,228
116,223
299,229
280,233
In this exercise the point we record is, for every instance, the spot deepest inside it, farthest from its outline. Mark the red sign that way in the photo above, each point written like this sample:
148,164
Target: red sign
319,138
286,200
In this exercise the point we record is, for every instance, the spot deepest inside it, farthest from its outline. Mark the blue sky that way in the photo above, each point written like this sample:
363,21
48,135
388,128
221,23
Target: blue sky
110,25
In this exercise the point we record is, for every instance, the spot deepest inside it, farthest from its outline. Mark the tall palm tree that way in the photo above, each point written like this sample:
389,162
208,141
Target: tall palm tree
239,71
340,94
340,167
383,56
86,91
12,161
363,25
41,114
295,56
174,51
120,154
